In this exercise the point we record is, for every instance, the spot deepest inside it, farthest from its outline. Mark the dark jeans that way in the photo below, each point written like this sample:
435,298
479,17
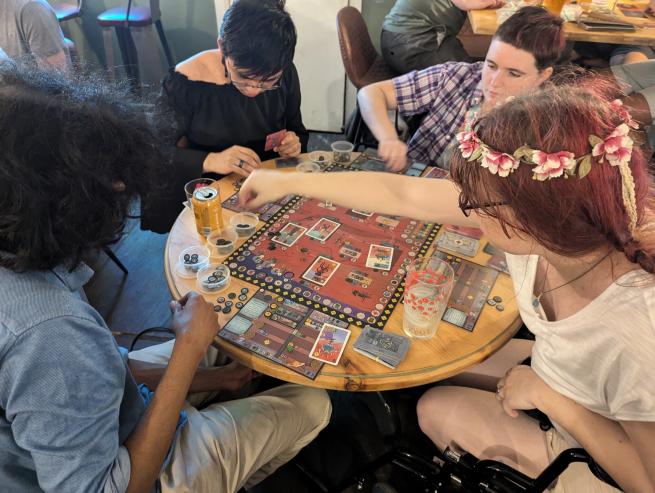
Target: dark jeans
407,52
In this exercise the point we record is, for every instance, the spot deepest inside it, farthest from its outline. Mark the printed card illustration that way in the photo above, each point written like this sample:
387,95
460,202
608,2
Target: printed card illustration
379,257
330,344
321,271
459,244
288,235
274,140
323,229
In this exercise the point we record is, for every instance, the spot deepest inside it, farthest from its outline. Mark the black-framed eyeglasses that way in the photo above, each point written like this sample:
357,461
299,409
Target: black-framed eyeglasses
261,86
466,207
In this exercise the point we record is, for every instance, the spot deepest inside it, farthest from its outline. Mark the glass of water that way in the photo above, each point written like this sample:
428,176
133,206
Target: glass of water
428,284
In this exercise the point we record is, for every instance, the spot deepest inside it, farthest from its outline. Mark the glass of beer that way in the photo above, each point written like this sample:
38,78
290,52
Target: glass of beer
428,284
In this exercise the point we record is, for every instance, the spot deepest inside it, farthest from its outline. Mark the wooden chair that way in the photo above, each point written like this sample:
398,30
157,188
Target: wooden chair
121,19
363,64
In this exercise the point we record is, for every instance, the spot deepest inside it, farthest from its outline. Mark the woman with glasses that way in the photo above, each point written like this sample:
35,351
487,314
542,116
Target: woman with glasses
558,181
227,100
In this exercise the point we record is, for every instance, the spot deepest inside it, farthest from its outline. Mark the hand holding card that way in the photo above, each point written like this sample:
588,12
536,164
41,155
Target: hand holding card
274,140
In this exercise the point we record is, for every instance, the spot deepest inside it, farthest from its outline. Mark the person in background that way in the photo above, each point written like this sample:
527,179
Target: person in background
29,28
558,181
72,416
227,100
521,58
418,34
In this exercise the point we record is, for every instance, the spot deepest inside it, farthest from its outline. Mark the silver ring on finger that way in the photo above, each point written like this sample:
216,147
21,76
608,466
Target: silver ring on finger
241,163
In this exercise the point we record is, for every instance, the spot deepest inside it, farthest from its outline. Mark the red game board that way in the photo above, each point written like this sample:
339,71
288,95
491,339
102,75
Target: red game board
285,259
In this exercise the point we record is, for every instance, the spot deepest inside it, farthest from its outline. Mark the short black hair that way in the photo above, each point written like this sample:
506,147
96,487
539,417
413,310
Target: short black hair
66,146
537,31
259,37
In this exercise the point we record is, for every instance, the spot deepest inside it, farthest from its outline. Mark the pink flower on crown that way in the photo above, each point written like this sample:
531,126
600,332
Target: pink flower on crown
617,106
616,148
498,162
551,165
468,143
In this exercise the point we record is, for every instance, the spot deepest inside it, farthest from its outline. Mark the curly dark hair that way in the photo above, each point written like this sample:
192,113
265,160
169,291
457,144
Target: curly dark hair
75,154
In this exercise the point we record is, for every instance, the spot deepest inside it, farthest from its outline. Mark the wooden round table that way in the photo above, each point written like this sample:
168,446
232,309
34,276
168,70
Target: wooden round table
449,352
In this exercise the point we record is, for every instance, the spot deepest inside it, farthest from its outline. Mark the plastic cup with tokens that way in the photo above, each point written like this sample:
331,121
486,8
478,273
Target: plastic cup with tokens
320,157
308,167
341,150
244,223
222,242
191,260
213,278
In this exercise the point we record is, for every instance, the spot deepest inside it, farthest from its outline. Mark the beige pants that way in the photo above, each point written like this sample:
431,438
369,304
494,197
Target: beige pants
235,444
577,478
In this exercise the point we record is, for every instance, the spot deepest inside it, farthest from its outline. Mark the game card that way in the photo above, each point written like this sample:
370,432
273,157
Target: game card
274,140
459,244
379,257
391,222
475,233
321,270
288,235
435,172
323,229
349,251
362,213
330,344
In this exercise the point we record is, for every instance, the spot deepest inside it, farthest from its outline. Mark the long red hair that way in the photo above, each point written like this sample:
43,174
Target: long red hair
568,216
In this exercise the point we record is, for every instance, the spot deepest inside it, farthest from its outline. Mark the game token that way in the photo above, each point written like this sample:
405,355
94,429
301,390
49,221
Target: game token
491,302
497,299
220,299
187,257
217,308
244,290
243,226
242,297
239,305
232,295
223,242
228,304
500,308
227,309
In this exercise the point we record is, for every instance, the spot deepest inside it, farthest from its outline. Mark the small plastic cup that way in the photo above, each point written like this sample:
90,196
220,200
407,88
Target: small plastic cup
341,150
191,260
244,223
213,278
222,242
193,185
320,157
308,167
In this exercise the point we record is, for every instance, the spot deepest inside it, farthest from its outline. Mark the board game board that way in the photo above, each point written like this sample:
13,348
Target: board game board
279,329
473,283
317,255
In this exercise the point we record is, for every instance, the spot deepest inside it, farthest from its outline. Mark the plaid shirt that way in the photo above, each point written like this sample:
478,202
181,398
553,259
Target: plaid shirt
443,93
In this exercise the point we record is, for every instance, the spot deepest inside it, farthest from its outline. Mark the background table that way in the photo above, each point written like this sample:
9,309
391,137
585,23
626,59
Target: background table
485,22
451,351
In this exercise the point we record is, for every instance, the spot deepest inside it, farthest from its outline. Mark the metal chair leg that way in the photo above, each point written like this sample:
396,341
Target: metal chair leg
108,251
164,43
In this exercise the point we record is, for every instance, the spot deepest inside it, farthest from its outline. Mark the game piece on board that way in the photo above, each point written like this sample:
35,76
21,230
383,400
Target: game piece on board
217,308
232,295
220,299
497,299
242,297
239,305
227,309
500,308
491,302
228,303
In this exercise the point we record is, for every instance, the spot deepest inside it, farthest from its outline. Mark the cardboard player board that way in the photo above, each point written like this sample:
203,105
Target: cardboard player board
473,283
325,268
280,330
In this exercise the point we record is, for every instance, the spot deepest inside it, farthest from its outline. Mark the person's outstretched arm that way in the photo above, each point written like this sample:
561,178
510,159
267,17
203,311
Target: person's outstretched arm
419,198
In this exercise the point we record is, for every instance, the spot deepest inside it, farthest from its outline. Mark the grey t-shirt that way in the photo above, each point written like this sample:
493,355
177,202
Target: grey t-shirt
419,16
29,27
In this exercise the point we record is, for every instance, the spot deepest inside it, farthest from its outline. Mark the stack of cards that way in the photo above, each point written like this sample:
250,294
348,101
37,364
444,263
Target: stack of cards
274,140
330,343
387,349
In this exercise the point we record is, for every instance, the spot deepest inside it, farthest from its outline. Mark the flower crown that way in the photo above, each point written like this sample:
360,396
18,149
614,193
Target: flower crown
616,149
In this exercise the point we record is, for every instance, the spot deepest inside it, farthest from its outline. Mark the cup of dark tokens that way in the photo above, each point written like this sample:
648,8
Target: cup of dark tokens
222,241
214,277
320,157
192,259
341,150
308,167
244,223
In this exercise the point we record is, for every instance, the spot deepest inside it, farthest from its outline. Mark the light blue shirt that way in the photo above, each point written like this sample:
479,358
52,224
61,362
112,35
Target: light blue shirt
67,400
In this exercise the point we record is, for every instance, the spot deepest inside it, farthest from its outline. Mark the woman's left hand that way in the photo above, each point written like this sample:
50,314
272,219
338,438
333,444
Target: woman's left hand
521,388
290,145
